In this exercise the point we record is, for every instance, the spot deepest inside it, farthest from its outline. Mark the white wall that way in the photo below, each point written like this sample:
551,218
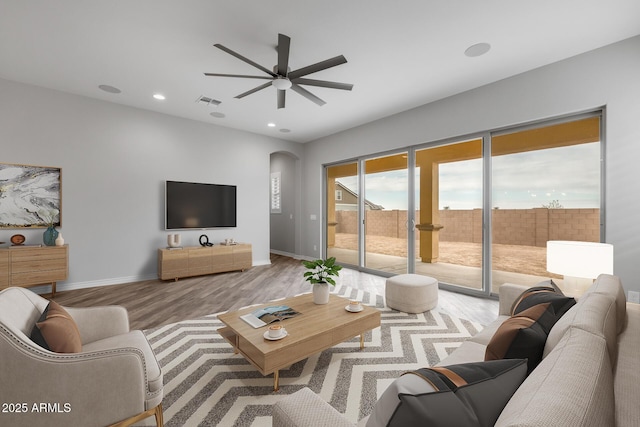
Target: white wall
604,77
114,162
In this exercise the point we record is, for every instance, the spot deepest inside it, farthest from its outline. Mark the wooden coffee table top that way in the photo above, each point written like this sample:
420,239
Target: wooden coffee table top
316,328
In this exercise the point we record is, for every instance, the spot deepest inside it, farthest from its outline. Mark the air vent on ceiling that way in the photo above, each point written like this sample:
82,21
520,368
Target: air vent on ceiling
208,101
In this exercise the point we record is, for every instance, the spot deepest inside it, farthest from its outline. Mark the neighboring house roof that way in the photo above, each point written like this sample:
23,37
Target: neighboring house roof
371,205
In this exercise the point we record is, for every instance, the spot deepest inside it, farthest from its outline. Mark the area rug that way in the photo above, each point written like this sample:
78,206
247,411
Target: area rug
205,384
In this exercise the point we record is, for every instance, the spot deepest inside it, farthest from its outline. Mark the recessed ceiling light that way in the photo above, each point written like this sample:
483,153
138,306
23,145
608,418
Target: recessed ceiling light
477,49
159,96
283,130
271,125
217,115
109,89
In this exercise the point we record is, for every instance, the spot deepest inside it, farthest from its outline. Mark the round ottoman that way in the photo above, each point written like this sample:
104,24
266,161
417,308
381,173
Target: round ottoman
411,293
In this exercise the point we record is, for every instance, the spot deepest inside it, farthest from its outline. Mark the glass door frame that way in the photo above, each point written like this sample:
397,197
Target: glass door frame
361,162
485,290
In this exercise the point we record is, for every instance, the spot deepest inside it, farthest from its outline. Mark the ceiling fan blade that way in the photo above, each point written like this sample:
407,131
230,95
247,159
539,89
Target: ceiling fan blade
237,75
254,90
247,60
282,94
284,43
323,83
311,97
322,65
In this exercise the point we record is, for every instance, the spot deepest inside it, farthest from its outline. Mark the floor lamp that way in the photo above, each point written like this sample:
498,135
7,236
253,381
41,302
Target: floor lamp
579,262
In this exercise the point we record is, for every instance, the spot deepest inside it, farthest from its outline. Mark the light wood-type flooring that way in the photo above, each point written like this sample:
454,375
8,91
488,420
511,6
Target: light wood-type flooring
155,303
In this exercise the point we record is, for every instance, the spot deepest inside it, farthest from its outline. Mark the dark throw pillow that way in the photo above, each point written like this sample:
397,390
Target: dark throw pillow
56,330
469,394
523,336
545,292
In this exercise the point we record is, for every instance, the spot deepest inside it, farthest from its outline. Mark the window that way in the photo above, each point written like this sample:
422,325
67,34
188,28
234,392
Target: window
339,195
276,198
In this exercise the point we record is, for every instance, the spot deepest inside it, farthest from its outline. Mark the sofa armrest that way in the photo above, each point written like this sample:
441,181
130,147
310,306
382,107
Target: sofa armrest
96,323
627,375
509,292
305,408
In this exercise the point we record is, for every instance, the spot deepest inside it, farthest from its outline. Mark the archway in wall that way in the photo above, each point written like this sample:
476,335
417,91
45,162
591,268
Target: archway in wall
284,203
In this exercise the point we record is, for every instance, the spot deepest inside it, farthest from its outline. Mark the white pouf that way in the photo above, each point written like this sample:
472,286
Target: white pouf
411,293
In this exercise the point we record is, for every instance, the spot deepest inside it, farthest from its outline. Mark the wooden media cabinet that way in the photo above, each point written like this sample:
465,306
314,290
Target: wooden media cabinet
174,264
28,266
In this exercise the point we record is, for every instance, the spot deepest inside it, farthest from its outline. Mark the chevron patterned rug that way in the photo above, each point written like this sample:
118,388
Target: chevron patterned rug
207,385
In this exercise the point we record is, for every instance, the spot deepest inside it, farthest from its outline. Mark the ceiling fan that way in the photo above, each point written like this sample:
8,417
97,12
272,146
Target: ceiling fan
282,79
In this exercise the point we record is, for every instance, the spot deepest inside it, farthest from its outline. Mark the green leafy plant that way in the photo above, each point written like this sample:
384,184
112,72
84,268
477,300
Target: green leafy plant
320,271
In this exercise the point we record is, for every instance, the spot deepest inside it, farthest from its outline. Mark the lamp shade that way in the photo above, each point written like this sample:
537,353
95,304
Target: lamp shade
579,259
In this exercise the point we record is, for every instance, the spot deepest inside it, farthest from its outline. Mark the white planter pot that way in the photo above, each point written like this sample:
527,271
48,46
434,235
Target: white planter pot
320,293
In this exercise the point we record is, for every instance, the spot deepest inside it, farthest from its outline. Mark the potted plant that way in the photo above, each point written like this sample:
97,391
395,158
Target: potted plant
319,274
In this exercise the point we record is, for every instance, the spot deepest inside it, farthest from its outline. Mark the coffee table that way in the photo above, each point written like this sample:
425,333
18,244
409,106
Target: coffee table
316,328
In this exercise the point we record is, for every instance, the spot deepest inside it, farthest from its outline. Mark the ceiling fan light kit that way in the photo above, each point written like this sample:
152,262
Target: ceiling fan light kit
281,83
286,79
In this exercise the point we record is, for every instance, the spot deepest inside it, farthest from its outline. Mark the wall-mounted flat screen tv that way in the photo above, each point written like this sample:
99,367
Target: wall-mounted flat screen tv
195,205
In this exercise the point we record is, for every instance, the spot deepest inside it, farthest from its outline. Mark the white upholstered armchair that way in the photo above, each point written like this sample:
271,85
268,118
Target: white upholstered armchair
114,380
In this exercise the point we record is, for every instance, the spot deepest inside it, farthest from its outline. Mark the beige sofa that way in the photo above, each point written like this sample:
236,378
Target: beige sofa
589,376
115,378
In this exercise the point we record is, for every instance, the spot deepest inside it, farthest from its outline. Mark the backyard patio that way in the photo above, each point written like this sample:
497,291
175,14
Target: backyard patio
459,263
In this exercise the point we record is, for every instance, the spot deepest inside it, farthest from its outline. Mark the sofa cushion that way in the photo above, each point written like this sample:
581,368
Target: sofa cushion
594,313
466,394
467,352
523,336
56,330
484,336
610,285
543,294
572,386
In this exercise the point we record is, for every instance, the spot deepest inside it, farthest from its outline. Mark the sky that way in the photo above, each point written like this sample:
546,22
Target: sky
569,177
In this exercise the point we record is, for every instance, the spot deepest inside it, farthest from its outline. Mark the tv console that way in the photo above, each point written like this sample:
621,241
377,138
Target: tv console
174,264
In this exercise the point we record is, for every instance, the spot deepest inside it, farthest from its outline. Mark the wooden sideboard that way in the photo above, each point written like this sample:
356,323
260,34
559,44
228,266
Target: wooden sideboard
28,266
174,264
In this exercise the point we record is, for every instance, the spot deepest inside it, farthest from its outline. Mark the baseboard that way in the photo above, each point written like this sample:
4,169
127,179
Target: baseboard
61,287
283,253
294,256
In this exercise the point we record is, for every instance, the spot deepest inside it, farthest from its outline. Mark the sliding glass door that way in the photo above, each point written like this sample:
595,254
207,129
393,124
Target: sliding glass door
386,224
474,213
449,183
546,185
342,213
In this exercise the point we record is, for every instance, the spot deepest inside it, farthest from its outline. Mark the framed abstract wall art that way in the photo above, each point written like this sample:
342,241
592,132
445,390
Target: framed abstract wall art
30,196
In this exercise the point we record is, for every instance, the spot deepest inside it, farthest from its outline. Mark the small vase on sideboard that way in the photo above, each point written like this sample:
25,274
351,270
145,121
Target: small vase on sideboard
59,240
50,235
